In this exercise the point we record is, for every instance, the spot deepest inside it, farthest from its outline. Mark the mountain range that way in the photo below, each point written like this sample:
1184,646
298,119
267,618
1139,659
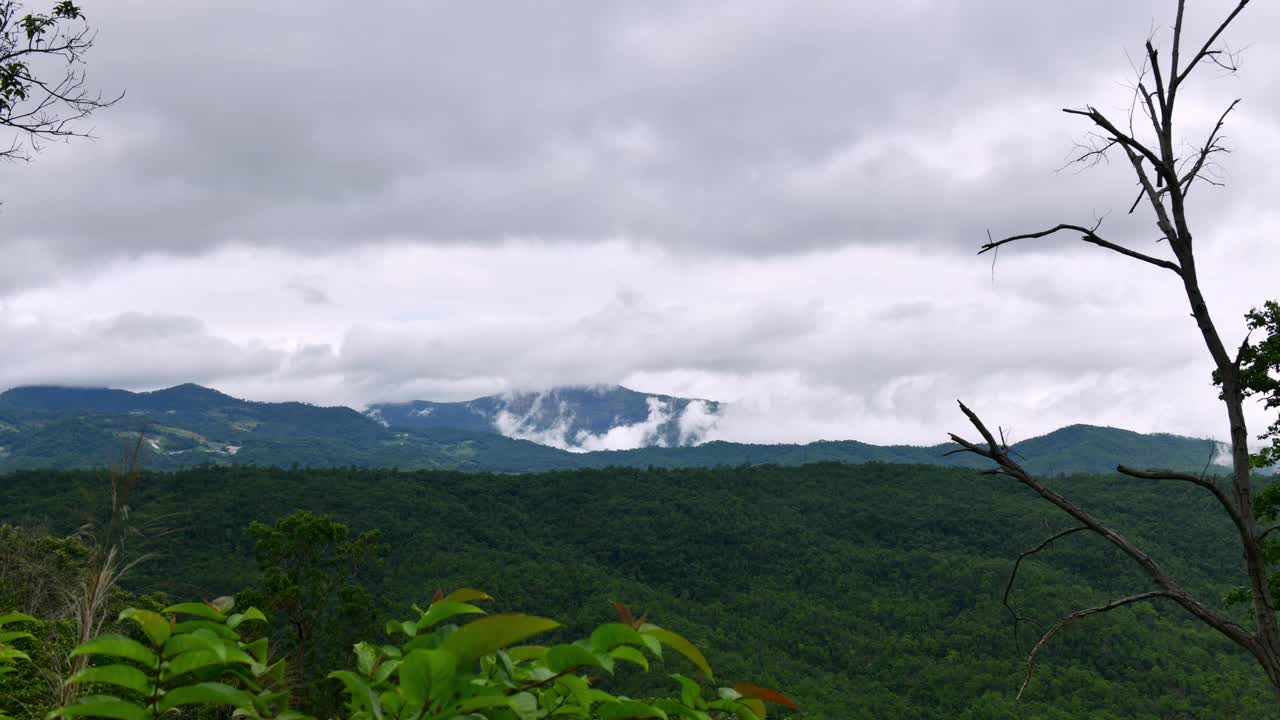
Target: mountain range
569,418
187,425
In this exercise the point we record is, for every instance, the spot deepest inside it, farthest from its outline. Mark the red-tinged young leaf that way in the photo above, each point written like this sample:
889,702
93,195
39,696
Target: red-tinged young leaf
438,596
766,694
624,613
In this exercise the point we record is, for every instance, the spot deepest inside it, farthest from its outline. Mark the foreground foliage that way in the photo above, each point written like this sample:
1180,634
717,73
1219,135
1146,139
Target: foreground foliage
192,654
860,590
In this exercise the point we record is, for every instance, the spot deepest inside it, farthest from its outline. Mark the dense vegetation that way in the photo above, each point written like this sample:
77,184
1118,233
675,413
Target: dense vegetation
862,591
188,425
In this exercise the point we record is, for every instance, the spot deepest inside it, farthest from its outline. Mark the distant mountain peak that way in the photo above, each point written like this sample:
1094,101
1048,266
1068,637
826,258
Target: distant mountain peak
578,418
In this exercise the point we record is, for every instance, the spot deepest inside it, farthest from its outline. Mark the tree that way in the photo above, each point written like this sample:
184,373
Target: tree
310,575
1166,174
42,79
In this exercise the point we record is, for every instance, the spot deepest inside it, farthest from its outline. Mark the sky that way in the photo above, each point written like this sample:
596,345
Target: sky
774,205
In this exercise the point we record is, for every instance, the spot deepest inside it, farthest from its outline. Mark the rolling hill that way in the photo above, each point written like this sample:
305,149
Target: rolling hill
189,425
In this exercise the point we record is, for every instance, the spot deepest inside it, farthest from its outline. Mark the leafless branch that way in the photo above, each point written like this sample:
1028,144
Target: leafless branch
1013,576
1090,236
1211,146
1198,481
1154,570
1053,629
1206,50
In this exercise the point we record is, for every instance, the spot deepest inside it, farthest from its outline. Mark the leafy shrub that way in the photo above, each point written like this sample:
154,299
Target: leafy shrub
201,660
444,668
8,653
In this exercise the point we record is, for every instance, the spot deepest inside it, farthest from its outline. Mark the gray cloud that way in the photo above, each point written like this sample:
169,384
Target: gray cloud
735,127
127,350
755,201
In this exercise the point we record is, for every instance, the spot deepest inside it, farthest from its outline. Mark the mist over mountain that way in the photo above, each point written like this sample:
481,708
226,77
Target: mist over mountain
575,418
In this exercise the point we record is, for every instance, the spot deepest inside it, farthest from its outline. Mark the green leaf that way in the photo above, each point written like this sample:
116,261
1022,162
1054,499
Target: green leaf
391,701
756,707
690,692
427,674
12,653
14,617
216,628
203,610
681,645
631,655
407,627
383,671
362,696
8,637
270,673
629,709
610,635
671,707
563,657
103,706
366,656
186,642
253,614
191,662
466,595
525,705
442,611
125,676
206,693
118,646
484,702
155,625
492,633
577,686
741,709
258,649
524,653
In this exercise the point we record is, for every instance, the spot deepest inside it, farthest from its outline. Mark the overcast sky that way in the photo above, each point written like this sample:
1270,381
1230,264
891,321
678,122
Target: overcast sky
772,204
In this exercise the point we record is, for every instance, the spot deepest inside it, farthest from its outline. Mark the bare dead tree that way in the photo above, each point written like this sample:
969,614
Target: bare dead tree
1165,173
43,93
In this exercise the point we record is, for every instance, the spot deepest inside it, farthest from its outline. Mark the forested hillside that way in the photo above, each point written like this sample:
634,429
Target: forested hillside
188,425
874,587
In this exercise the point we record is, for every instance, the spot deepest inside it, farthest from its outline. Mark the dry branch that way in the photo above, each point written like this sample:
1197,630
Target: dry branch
1053,629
